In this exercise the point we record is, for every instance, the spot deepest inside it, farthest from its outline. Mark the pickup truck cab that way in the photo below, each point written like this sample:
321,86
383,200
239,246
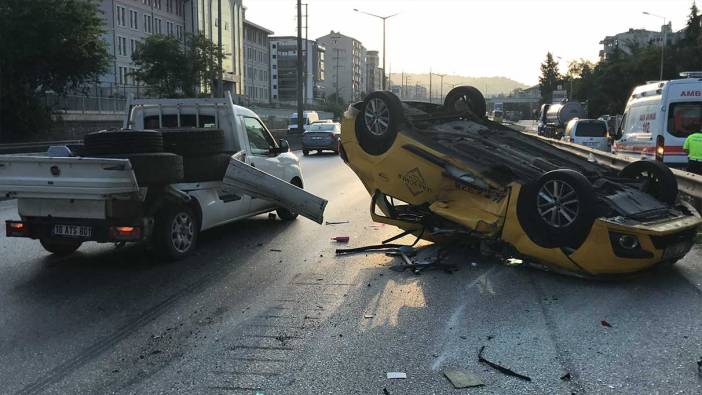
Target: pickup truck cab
65,201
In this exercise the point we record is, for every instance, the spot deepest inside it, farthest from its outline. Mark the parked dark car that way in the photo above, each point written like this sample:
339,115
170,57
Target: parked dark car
321,137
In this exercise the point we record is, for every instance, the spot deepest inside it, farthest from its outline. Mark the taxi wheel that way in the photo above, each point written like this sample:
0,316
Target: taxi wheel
558,209
655,179
378,122
462,98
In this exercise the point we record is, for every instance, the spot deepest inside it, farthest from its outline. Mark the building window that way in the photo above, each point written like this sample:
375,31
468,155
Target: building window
122,74
157,4
121,15
147,23
132,46
179,32
134,19
157,26
169,28
274,66
121,46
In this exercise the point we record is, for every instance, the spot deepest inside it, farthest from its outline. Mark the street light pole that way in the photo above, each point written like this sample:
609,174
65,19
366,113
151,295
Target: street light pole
441,88
665,40
384,18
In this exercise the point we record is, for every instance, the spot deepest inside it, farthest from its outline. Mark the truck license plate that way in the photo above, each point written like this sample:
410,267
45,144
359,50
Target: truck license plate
73,230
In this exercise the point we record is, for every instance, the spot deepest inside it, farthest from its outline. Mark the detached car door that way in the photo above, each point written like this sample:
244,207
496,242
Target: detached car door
262,155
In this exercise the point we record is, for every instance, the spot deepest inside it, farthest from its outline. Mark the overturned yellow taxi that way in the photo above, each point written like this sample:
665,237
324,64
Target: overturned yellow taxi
445,172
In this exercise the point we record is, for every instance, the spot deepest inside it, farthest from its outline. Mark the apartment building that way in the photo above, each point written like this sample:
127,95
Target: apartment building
257,63
283,63
345,65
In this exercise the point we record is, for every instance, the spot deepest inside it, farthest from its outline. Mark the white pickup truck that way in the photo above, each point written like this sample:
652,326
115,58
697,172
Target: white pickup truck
64,199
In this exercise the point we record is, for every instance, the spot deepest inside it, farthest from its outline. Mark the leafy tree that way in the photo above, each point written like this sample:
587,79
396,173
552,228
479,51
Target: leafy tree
45,45
170,70
161,65
548,81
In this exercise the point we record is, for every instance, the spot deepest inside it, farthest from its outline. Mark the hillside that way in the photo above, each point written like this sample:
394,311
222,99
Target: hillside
487,85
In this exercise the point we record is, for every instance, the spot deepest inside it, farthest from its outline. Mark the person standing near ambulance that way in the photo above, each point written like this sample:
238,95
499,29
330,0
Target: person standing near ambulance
693,148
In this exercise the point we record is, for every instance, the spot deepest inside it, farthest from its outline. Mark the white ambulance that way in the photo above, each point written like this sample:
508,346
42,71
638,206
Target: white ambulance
659,116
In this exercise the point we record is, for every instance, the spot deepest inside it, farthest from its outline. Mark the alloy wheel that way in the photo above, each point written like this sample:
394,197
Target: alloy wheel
182,232
377,117
558,204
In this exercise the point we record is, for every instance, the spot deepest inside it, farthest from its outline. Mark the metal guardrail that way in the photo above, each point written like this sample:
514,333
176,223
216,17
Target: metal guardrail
688,183
30,147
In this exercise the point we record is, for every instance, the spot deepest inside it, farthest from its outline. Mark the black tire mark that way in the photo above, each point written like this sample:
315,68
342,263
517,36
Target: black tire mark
59,372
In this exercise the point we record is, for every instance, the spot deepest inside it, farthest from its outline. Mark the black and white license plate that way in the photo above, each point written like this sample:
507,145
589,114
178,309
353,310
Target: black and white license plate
676,250
73,230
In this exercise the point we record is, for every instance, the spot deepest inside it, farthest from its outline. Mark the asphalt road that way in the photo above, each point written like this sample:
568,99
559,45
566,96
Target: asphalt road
239,317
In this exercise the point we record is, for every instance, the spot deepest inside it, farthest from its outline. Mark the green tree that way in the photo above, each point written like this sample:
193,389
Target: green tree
162,66
45,45
170,70
548,81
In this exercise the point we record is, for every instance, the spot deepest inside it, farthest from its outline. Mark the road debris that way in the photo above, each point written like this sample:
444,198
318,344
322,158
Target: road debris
699,366
463,378
566,377
502,369
275,250
368,316
341,239
336,222
385,391
397,375
606,324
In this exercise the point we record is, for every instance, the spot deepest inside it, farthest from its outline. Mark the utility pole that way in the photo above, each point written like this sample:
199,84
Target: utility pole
220,83
430,85
300,109
441,88
337,73
304,72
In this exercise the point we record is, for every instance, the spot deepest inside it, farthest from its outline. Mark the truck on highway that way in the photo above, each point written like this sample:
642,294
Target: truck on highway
555,117
203,163
308,117
659,116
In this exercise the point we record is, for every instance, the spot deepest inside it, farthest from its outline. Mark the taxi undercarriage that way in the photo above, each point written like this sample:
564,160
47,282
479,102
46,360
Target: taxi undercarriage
444,172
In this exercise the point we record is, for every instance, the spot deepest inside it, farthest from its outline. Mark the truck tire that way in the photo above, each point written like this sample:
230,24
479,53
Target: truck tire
188,142
380,118
655,177
558,209
175,232
60,247
158,168
122,142
461,98
284,213
202,168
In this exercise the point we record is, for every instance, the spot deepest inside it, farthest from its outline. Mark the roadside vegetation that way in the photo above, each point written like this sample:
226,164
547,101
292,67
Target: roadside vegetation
605,86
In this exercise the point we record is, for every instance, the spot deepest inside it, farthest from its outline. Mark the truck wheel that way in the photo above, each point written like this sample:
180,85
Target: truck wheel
284,213
176,232
305,152
122,142
154,168
463,98
202,168
558,209
60,247
655,178
377,123
187,142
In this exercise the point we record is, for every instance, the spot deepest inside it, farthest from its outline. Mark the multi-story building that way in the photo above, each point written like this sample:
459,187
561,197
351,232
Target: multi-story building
257,63
202,17
128,23
346,67
637,38
283,53
374,74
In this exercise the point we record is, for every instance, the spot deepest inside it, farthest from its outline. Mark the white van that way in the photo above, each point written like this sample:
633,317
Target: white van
308,118
659,116
587,132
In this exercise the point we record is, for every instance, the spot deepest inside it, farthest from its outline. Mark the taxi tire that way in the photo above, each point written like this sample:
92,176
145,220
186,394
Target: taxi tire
662,182
468,94
374,144
542,233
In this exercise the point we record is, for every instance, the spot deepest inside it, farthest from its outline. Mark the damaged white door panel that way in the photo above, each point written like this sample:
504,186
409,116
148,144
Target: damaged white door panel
262,185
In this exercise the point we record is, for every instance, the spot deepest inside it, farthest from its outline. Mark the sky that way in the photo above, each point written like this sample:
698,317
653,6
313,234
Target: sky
476,38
